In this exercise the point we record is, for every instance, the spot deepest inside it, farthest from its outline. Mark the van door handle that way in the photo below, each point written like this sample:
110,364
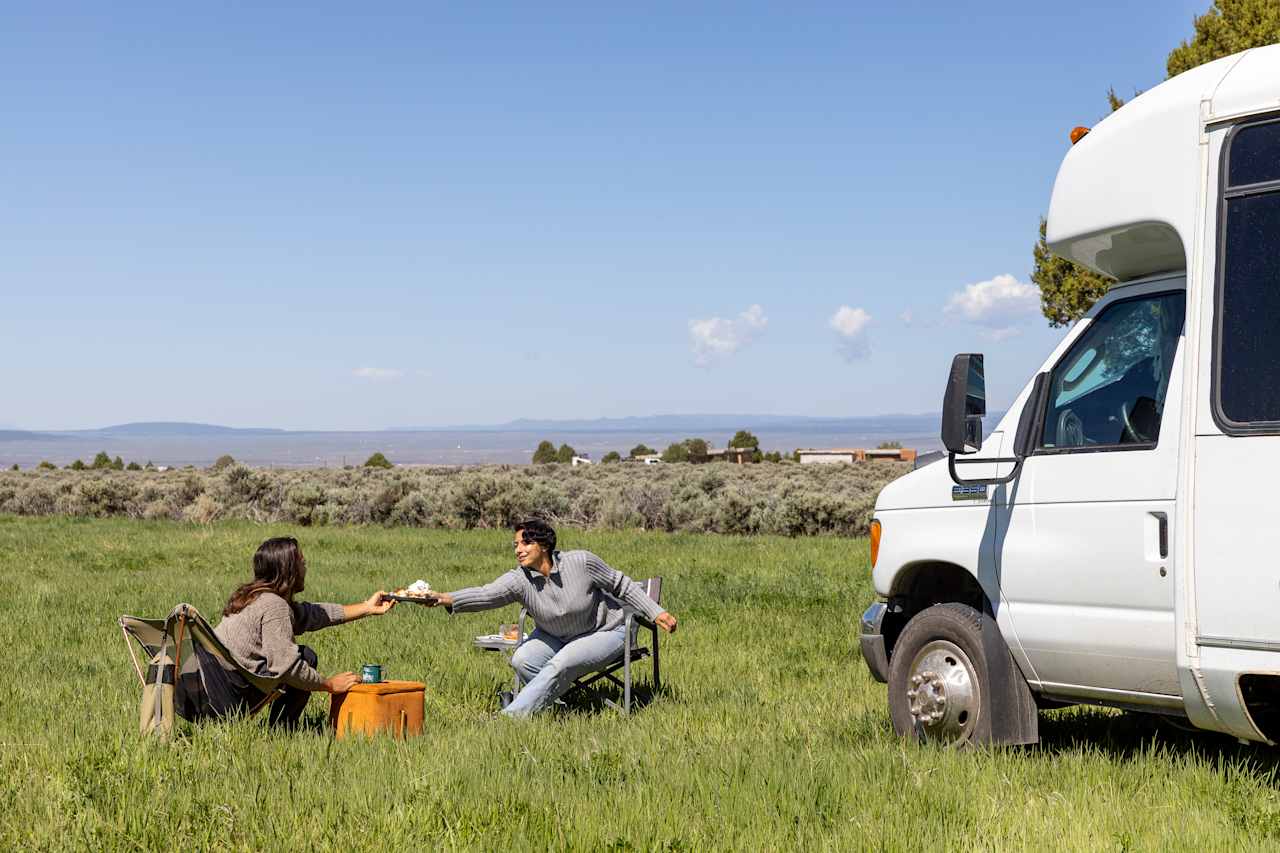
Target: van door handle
1162,534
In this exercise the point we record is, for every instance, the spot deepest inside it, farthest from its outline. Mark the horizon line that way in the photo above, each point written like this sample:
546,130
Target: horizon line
513,425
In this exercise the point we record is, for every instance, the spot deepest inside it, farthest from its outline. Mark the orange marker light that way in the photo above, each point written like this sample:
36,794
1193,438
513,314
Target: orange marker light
1078,133
875,541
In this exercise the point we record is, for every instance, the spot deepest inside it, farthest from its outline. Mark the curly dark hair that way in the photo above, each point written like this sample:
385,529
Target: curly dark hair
537,530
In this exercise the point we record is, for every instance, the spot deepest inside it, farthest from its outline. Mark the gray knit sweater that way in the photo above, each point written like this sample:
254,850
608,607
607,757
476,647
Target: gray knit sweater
583,594
261,636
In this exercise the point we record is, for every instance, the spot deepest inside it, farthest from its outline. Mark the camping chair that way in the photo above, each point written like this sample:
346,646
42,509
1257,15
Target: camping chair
189,673
632,651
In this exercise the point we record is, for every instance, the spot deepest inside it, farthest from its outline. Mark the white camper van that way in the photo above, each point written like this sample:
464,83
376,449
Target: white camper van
1115,539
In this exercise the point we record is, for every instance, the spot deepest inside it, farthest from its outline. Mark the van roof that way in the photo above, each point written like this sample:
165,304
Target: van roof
1124,202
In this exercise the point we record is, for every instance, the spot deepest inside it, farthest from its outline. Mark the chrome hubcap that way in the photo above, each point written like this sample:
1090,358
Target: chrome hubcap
943,693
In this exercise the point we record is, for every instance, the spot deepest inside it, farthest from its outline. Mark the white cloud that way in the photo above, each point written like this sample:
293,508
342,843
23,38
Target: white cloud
999,305
850,324
380,374
716,337
1004,334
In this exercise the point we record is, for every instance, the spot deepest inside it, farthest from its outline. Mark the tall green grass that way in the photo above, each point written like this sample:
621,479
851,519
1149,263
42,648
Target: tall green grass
770,736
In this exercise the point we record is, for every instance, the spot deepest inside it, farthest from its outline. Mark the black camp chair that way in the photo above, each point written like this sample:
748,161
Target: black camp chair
631,652
190,673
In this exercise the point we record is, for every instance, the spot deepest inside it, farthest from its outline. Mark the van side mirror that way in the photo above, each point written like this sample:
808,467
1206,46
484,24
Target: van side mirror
964,405
962,409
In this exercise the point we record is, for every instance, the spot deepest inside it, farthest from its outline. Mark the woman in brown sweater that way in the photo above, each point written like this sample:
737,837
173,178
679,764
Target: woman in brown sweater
261,621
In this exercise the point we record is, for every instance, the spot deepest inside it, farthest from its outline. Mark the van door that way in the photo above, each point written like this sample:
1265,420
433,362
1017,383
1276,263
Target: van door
1237,525
1084,558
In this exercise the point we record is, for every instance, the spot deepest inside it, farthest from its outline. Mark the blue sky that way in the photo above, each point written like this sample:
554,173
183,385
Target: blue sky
327,217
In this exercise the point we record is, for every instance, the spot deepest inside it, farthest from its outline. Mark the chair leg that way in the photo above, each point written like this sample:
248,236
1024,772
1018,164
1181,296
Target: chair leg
133,656
626,676
266,700
177,649
515,678
657,672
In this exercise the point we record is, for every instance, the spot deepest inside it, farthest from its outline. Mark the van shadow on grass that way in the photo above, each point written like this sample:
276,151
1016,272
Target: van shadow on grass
1128,736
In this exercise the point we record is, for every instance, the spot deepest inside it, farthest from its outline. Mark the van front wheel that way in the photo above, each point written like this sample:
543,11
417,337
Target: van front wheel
938,685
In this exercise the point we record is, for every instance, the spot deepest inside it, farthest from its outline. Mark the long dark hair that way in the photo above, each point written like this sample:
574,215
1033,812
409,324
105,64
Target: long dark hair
277,567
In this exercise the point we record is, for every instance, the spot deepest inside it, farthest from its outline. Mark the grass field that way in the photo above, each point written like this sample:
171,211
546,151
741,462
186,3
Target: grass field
771,736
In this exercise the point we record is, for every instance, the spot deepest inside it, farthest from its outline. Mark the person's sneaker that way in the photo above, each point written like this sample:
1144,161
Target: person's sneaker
505,698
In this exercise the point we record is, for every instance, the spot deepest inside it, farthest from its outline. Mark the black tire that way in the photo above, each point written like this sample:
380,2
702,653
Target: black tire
939,690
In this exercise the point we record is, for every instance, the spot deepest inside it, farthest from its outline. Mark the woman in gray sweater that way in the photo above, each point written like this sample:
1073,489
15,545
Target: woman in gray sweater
261,621
576,602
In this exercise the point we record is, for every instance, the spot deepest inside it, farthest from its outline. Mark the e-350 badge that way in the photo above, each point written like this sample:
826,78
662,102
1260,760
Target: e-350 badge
968,493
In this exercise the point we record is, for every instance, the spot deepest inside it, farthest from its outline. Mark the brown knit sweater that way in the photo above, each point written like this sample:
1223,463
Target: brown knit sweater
261,636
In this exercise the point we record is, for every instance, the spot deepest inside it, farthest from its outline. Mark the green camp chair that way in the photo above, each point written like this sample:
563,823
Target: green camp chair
190,673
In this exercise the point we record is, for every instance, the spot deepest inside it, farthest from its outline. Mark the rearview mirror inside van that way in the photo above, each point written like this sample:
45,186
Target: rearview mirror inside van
964,405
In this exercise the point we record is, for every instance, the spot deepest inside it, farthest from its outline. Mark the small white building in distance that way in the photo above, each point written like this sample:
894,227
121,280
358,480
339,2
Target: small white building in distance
814,456
826,457
650,459
581,459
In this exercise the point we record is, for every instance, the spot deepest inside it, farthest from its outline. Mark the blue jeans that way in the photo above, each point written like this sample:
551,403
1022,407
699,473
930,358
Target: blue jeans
548,666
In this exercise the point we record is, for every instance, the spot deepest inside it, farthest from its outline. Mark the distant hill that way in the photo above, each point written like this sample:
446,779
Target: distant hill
896,425
905,424
174,428
26,435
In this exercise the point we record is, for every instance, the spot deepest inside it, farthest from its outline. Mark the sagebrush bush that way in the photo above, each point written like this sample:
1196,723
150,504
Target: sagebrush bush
203,510
785,499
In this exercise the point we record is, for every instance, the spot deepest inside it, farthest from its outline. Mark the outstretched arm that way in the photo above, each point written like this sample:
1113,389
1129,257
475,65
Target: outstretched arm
501,592
310,616
374,605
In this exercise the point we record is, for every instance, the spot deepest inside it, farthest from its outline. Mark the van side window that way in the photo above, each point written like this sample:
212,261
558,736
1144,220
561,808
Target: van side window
1247,372
1255,155
1109,389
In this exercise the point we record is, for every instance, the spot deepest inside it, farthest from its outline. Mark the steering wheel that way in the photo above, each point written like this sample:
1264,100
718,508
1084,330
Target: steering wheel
1070,430
1129,435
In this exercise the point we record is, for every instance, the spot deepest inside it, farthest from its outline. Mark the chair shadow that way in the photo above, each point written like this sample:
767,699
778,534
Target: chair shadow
586,701
591,700
1130,736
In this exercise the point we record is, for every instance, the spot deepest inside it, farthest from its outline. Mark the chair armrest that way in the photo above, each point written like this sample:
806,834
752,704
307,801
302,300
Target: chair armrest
632,613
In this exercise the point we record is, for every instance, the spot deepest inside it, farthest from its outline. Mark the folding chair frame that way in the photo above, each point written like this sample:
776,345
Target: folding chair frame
631,650
172,631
